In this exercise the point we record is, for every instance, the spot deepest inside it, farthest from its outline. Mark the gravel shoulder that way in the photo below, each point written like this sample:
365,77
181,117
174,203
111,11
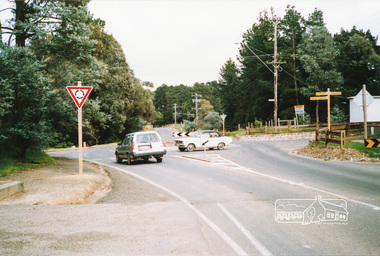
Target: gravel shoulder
60,184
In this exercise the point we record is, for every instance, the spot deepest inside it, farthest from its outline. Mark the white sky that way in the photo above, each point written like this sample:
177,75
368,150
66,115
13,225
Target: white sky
187,41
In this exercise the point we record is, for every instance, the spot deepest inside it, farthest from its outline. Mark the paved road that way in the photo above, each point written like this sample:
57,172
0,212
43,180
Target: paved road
232,199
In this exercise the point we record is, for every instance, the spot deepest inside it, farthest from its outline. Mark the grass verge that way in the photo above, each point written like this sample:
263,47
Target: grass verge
372,152
34,159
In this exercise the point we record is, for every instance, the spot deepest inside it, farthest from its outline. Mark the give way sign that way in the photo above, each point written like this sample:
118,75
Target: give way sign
79,94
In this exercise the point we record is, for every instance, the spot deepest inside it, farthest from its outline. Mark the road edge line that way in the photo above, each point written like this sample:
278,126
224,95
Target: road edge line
210,223
256,243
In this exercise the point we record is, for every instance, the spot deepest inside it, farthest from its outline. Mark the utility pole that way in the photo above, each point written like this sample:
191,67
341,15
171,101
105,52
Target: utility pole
196,100
175,113
275,64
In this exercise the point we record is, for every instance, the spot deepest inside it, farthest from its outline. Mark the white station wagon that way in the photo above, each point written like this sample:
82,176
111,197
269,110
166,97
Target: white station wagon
203,139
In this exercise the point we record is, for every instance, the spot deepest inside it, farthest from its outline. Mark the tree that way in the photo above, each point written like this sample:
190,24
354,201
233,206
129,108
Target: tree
228,86
358,61
212,121
73,47
292,26
24,90
256,85
317,55
204,108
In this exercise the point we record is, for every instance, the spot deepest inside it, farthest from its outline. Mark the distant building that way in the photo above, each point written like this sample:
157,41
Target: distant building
356,108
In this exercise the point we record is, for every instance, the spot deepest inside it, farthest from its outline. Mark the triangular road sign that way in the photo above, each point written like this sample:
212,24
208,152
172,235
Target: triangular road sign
79,94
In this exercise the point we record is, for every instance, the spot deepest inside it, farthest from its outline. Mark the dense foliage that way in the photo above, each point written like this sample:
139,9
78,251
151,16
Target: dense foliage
49,45
313,60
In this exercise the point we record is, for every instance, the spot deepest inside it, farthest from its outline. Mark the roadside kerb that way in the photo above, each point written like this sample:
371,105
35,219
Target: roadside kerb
283,136
346,159
9,188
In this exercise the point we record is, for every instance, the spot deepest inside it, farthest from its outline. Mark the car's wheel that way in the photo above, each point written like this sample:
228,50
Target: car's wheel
159,159
221,146
182,149
190,147
129,159
118,159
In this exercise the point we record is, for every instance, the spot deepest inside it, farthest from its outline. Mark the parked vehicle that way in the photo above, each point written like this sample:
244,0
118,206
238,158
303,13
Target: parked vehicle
201,139
140,146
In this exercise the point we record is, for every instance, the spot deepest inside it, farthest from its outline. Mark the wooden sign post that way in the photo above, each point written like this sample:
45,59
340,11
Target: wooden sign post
79,94
326,96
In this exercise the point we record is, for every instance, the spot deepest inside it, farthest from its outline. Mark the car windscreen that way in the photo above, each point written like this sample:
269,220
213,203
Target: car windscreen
147,138
197,134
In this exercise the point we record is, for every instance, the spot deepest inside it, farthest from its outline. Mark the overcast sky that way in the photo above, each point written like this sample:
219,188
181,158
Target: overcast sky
187,41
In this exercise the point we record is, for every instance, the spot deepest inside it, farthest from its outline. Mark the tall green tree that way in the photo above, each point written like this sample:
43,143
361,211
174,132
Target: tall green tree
358,61
256,80
317,54
292,27
229,90
24,90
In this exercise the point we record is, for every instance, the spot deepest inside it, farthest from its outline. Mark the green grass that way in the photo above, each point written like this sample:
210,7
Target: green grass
34,159
234,133
372,152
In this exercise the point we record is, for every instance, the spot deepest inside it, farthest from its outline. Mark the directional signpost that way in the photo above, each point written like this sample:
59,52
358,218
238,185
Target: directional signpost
79,94
326,96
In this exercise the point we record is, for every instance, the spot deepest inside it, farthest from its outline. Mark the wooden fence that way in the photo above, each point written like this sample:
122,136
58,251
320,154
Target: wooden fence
349,128
338,137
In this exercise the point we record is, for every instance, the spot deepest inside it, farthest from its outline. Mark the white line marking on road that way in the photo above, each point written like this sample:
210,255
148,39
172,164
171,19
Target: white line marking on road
237,167
209,222
259,246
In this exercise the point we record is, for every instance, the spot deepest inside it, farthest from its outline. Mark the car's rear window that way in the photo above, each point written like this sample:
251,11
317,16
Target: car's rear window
147,138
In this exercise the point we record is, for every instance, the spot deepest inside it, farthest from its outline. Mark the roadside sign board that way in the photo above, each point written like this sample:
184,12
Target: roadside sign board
372,143
79,94
358,99
327,93
299,109
319,98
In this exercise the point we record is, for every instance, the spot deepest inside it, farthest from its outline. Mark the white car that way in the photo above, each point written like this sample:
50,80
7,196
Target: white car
203,139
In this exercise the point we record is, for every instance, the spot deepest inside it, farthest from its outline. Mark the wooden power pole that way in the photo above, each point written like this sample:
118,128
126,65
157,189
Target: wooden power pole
276,65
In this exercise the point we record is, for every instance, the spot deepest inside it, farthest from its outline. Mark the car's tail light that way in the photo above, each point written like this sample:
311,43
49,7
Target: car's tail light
133,145
163,143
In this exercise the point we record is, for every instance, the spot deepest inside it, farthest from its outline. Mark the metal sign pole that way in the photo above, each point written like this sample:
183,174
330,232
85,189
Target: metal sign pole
364,111
79,94
80,138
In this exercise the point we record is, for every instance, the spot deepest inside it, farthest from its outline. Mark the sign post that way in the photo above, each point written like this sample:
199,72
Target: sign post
326,96
364,111
79,94
299,109
205,137
223,116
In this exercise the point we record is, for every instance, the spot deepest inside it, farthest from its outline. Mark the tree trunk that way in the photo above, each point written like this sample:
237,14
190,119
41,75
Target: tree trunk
19,31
